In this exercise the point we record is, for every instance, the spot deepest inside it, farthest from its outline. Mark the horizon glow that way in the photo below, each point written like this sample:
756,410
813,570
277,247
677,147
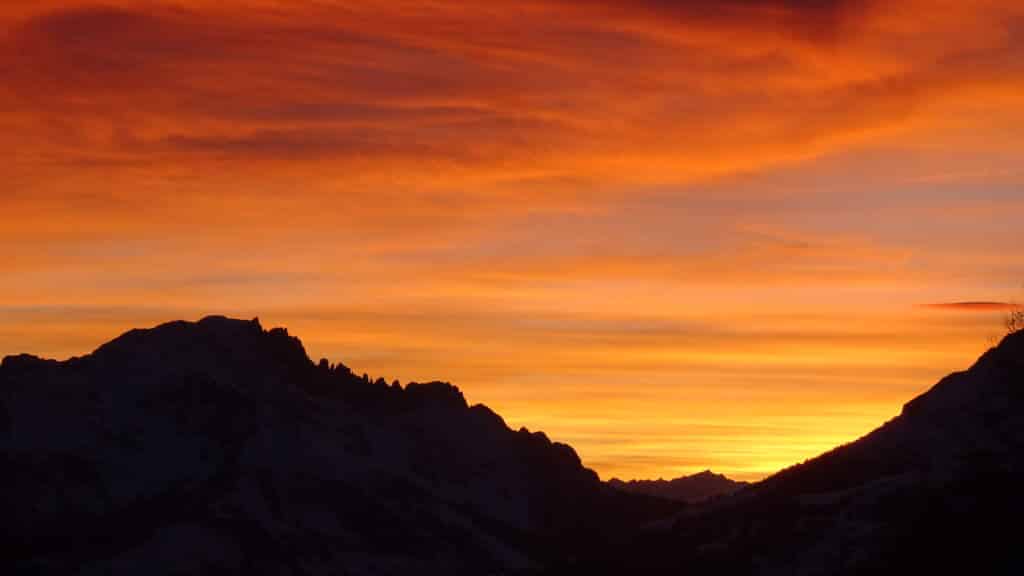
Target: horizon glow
674,235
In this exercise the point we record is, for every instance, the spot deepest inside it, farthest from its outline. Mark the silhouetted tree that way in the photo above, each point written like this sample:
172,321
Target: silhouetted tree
1015,320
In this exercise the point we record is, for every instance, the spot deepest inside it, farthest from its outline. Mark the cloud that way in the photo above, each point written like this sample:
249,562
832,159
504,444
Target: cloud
811,20
974,306
608,92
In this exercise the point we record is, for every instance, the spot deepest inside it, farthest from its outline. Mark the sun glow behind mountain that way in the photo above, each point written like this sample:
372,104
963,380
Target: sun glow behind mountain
676,235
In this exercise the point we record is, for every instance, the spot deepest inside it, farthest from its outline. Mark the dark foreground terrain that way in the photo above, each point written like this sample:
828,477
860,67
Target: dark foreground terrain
219,446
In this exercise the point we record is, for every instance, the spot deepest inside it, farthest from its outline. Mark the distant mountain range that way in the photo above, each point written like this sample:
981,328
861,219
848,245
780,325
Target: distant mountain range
695,488
218,446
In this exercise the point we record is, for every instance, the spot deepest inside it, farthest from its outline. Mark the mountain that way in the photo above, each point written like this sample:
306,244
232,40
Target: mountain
219,446
695,488
938,489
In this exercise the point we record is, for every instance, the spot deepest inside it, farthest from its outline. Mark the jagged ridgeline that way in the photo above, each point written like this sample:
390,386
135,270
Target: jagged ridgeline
694,488
219,445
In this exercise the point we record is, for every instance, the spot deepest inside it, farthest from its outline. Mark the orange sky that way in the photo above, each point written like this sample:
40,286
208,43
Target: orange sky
676,235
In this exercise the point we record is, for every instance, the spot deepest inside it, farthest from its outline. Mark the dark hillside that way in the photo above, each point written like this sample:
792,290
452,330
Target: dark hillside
220,445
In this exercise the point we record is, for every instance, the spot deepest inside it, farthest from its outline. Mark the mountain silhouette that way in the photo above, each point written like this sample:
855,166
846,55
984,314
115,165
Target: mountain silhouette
936,489
219,446
694,488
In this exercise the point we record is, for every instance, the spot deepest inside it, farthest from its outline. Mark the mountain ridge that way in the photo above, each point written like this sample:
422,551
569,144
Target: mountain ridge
928,491
691,488
221,432
218,445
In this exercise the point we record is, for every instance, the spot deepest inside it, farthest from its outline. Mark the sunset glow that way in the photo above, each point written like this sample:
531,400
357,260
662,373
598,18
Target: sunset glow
675,235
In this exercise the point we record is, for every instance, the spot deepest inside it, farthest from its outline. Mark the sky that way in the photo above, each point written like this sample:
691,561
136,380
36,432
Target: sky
677,235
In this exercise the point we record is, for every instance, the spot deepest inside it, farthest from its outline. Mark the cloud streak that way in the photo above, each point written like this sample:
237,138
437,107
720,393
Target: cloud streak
665,92
974,306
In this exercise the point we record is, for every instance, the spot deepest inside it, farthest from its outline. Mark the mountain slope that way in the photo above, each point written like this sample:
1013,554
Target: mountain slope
694,488
935,490
218,445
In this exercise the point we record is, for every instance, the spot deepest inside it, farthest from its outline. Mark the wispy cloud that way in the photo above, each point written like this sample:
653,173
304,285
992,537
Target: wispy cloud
974,306
663,92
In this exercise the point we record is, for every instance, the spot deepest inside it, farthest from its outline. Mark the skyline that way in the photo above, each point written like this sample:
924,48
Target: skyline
676,236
